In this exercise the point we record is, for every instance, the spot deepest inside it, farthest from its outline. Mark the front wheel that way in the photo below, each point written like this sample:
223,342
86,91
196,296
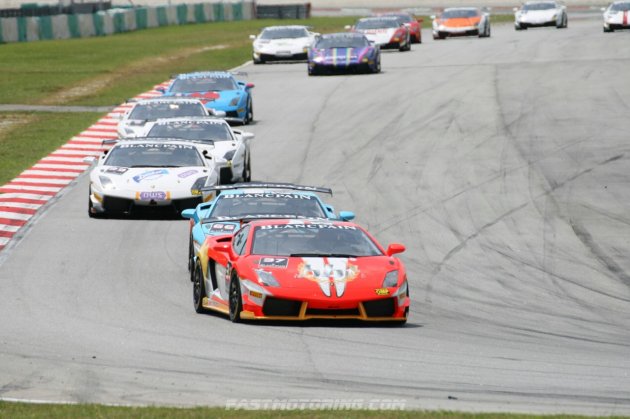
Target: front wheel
199,289
247,170
608,29
236,302
249,116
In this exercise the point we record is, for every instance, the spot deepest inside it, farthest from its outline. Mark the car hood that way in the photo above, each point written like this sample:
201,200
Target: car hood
211,98
282,43
460,22
340,56
151,178
539,14
325,276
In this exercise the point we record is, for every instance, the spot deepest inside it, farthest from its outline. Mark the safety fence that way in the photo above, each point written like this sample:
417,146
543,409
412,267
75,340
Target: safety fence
107,22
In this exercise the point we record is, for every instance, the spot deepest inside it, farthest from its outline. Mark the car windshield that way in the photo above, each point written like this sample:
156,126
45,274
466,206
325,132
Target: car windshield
153,111
203,84
376,24
265,204
313,239
153,155
192,130
403,18
539,6
459,13
342,42
620,7
284,33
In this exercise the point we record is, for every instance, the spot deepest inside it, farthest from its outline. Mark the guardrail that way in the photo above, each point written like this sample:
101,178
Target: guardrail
64,26
283,11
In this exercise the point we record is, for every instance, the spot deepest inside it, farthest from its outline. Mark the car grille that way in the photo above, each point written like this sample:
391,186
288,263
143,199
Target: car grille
380,308
332,312
113,204
279,307
231,114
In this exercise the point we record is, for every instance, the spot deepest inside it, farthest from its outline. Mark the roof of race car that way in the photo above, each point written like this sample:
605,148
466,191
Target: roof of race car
167,99
207,120
344,35
266,186
204,74
382,17
448,9
280,27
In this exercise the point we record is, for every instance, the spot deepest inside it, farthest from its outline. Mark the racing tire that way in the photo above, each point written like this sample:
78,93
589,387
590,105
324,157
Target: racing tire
608,30
249,114
191,260
199,289
314,71
376,69
247,170
225,176
235,300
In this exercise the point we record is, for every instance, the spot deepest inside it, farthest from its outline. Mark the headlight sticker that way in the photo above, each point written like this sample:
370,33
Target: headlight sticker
270,262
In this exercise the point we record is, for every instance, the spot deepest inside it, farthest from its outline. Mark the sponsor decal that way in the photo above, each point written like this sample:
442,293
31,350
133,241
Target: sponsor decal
274,262
223,227
267,195
381,291
205,96
187,173
256,294
152,196
150,175
116,170
311,226
156,145
329,273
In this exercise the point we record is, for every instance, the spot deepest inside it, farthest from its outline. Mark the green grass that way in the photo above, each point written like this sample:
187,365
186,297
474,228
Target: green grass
40,134
51,411
131,62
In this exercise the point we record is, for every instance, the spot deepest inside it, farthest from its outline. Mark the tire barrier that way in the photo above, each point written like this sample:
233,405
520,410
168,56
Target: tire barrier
118,20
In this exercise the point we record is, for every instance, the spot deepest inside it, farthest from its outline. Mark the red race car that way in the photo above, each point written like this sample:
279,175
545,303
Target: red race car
297,269
414,25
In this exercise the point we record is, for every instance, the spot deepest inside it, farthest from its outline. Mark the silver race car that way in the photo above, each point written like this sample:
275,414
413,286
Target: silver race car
282,43
617,16
540,13
134,122
230,148
150,174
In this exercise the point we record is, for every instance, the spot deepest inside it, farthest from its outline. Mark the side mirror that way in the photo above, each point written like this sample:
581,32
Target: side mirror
432,17
395,248
252,37
118,116
420,20
603,9
89,159
206,154
225,248
247,135
160,89
346,215
515,9
188,213
347,27
249,86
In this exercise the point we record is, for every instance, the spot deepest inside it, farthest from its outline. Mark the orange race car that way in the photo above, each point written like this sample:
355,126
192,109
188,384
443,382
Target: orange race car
461,21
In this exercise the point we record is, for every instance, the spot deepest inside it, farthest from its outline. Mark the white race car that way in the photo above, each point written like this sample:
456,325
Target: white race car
150,174
540,13
282,43
229,148
616,16
384,31
134,122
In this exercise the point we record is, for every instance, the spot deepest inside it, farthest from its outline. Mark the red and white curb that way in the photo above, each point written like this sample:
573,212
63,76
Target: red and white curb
21,198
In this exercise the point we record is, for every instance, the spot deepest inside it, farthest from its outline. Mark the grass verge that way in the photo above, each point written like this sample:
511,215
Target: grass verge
54,411
26,136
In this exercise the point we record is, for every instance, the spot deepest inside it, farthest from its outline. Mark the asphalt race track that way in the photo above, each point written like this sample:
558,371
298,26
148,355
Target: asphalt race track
503,165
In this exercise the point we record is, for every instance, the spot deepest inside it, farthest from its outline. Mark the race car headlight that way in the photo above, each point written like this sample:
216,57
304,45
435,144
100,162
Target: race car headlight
555,16
106,182
229,155
234,101
391,279
401,293
267,278
318,59
195,189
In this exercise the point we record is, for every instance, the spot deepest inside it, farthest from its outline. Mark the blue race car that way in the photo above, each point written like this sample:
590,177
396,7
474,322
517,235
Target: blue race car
343,52
217,90
242,202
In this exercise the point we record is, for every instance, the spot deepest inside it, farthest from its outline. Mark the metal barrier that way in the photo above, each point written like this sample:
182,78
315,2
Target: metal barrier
283,11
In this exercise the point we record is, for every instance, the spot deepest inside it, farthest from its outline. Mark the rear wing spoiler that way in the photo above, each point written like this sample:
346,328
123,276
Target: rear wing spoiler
244,219
268,185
